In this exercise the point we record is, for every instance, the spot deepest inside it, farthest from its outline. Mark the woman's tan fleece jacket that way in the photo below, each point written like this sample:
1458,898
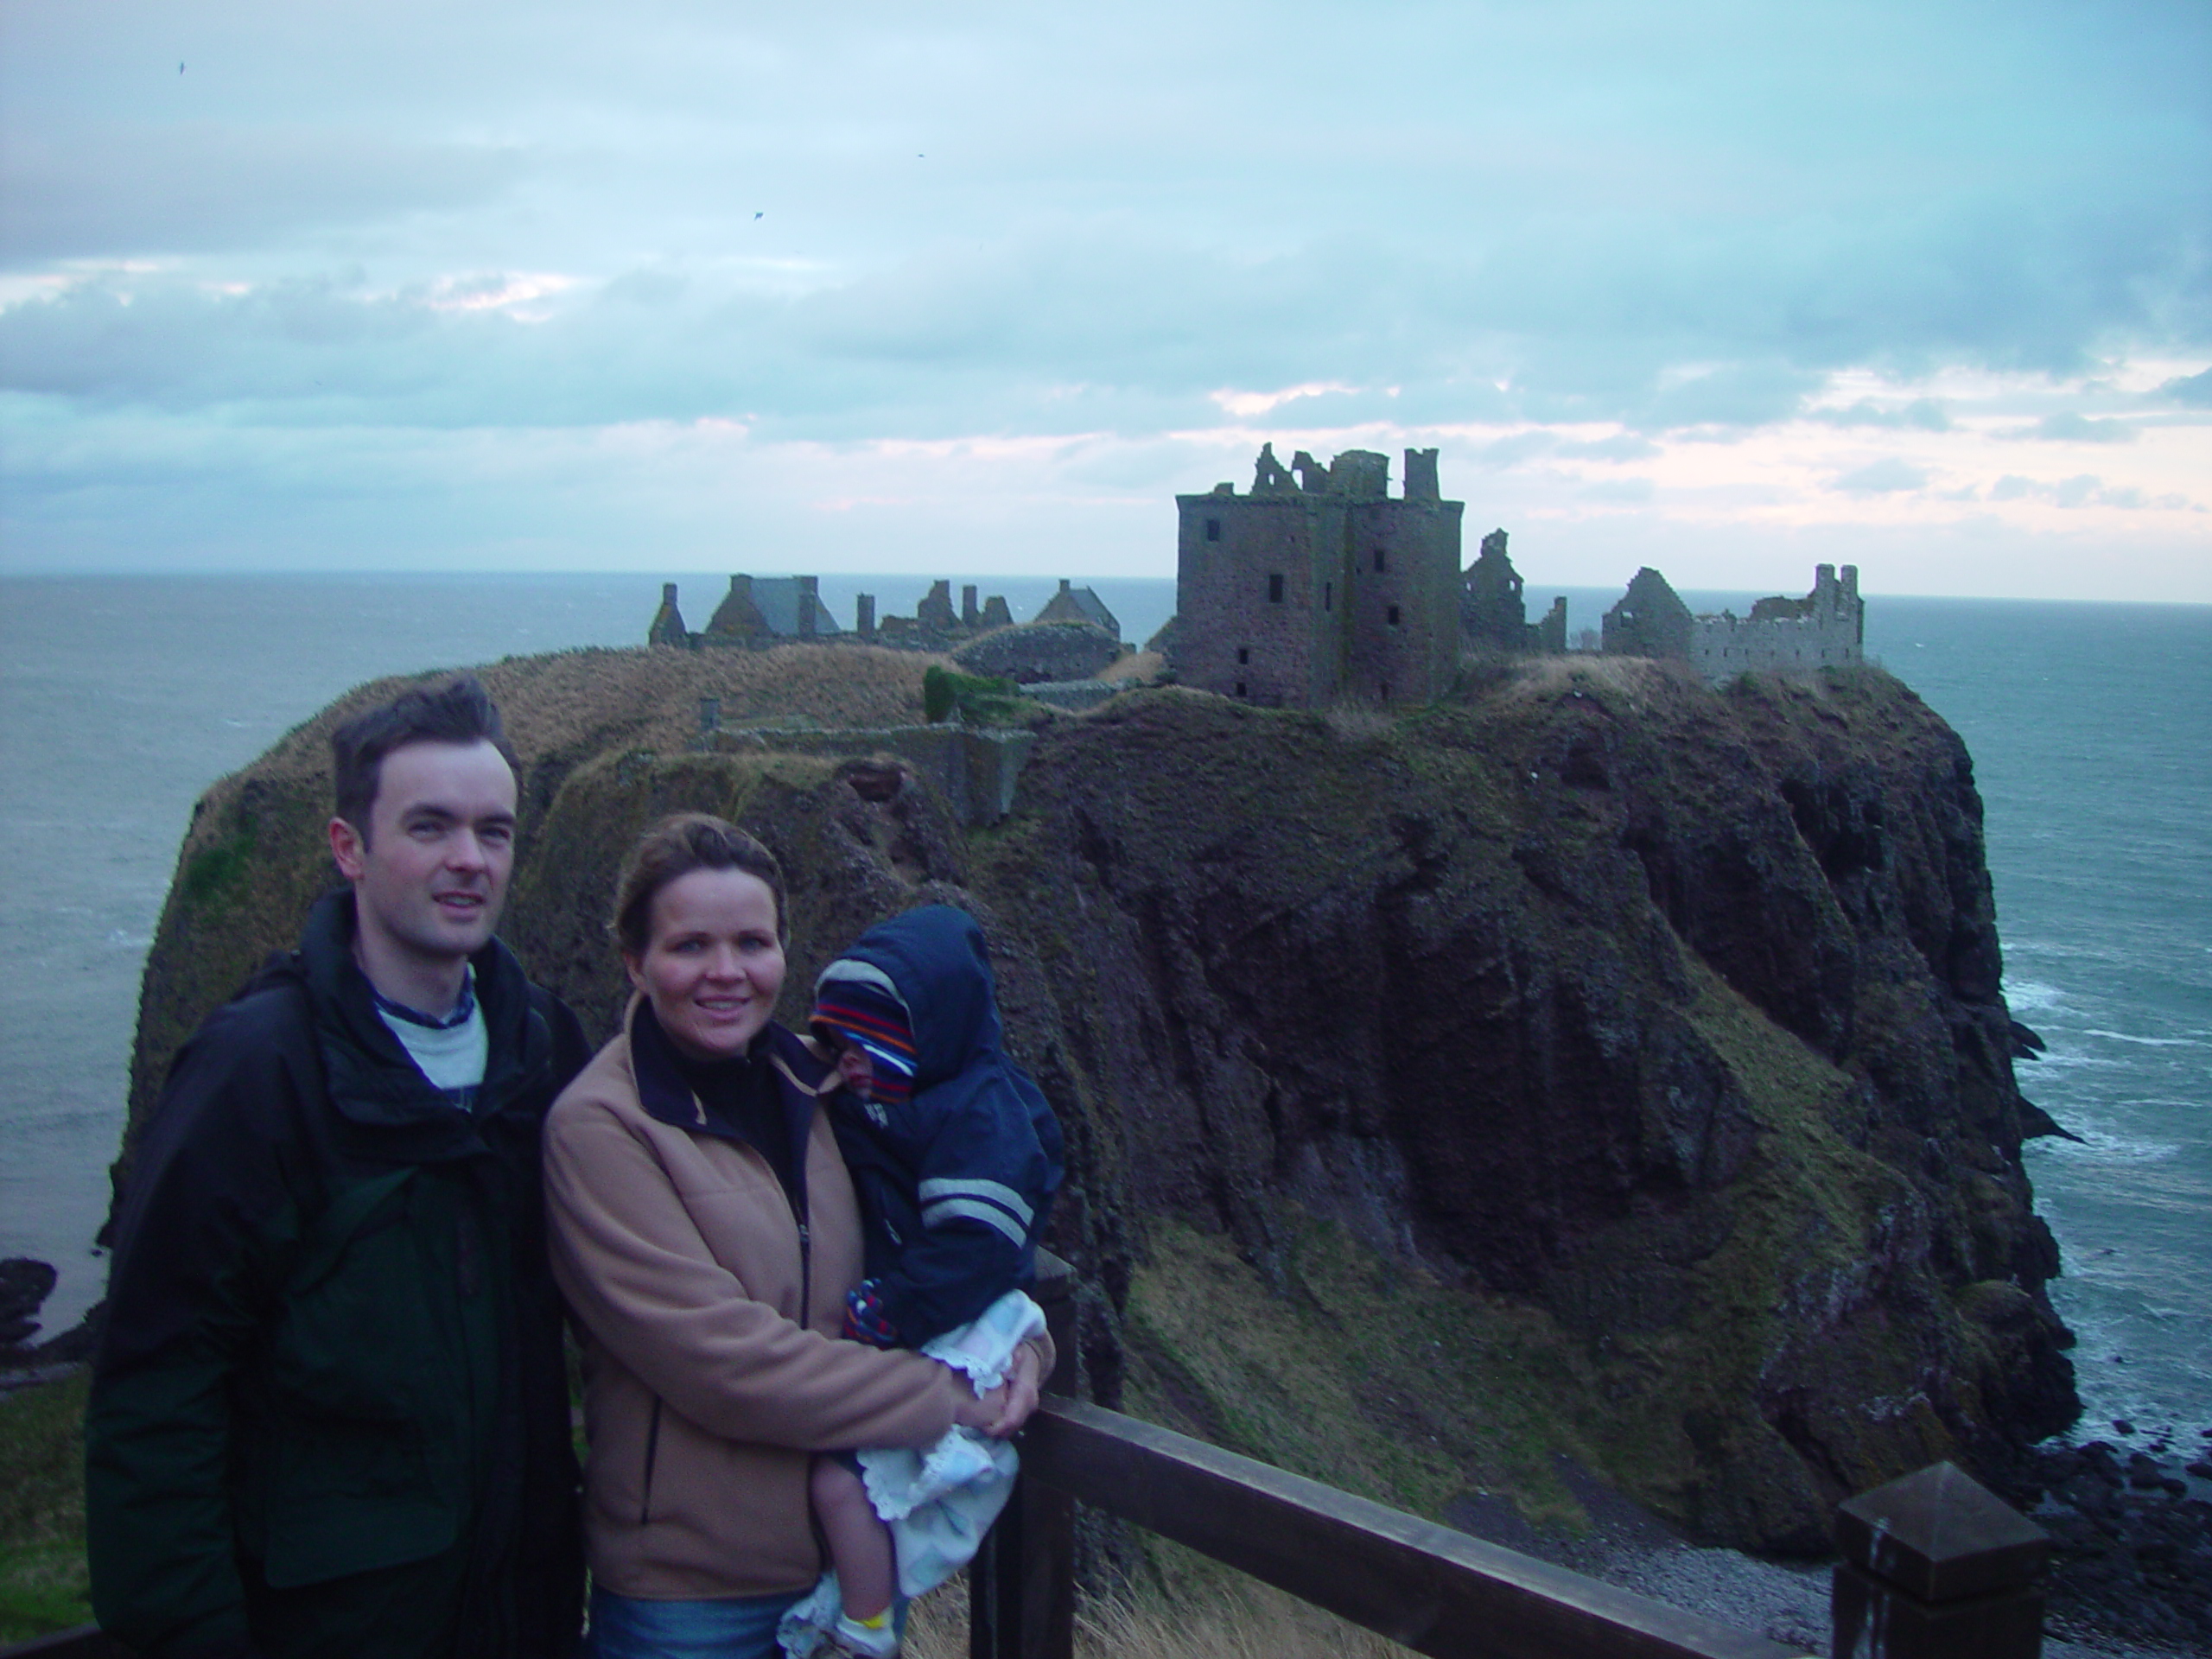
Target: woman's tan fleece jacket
707,1385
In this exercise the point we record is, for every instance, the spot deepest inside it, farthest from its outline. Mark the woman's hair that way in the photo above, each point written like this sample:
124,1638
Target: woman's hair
673,849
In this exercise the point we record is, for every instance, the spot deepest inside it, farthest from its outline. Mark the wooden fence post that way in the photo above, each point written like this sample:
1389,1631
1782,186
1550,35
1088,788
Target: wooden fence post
1022,1584
1935,1566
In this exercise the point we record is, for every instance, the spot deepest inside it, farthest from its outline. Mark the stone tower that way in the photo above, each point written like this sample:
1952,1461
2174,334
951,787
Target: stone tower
1319,585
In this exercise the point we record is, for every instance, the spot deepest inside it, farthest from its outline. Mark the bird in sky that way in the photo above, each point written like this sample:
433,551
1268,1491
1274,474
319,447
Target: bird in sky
762,215
180,68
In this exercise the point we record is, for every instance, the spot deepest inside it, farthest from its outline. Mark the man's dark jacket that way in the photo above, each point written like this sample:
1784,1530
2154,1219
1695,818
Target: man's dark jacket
329,1413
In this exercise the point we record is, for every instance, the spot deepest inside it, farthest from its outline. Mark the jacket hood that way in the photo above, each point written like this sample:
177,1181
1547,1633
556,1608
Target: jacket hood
934,960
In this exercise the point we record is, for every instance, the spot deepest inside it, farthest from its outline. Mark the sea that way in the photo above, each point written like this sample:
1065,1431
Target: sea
123,698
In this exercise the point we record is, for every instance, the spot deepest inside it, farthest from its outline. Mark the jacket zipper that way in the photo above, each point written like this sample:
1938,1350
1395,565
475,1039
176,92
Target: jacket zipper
652,1451
806,1274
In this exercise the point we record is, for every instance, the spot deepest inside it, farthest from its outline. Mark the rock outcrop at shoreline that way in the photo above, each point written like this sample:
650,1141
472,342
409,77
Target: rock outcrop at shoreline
1591,1065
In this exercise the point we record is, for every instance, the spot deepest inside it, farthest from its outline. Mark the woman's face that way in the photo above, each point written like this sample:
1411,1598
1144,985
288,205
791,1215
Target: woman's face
713,966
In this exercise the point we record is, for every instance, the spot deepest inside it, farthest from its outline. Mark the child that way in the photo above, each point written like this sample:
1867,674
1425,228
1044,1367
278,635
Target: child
955,1157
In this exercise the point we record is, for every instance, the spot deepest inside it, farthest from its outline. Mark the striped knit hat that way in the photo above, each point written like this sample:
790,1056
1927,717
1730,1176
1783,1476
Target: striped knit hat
855,1002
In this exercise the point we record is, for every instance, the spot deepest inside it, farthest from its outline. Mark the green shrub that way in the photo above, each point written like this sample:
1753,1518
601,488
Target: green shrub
974,699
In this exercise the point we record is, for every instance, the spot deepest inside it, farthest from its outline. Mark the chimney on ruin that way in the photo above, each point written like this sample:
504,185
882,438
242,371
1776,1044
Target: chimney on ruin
864,616
968,612
1421,476
810,597
667,627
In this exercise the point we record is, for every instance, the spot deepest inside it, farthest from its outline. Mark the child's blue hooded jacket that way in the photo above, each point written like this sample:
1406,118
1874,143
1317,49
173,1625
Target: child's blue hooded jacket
955,1183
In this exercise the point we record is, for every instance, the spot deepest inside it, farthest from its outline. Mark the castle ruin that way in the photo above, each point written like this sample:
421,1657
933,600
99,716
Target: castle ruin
1320,585
1648,620
1826,627
1492,615
759,612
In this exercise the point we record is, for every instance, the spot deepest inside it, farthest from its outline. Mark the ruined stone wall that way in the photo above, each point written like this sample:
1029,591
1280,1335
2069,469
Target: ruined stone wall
1649,620
1827,628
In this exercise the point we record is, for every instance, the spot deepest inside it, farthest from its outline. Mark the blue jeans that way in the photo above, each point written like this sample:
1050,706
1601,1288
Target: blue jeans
740,1627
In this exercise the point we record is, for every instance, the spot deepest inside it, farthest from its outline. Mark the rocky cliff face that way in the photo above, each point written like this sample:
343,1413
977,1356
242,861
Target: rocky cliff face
1593,1064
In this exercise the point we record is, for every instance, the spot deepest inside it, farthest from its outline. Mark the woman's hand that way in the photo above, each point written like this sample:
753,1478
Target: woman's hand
1007,1408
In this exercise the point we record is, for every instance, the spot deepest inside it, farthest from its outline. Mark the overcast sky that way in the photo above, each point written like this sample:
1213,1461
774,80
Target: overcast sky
975,289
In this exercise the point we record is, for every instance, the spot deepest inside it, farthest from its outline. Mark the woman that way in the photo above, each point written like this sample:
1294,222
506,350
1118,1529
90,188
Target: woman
704,1232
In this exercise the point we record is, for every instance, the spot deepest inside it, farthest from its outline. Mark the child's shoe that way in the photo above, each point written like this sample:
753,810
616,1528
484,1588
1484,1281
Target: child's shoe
865,1638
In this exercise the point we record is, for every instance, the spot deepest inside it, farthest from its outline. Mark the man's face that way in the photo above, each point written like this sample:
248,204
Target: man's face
431,874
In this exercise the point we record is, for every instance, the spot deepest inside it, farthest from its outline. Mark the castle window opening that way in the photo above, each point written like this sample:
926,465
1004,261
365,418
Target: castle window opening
1381,565
1213,530
1274,587
1386,691
1328,595
1394,616
1240,688
1244,655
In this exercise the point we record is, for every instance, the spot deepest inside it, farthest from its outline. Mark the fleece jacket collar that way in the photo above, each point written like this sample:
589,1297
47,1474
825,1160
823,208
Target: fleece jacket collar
662,1091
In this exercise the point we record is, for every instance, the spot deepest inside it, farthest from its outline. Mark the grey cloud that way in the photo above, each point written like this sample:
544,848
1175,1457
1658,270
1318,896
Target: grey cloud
1628,490
121,190
1884,477
1623,446
2196,388
2082,490
1923,414
2067,427
1513,449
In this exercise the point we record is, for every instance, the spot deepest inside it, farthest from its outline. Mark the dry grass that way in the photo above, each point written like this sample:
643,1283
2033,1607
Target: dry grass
1137,665
1635,678
1222,1616
583,701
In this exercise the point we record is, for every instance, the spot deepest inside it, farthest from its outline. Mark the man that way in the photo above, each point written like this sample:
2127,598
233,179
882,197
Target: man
329,1414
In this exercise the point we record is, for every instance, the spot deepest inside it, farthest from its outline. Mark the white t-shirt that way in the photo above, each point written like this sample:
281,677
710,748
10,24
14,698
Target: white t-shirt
452,1052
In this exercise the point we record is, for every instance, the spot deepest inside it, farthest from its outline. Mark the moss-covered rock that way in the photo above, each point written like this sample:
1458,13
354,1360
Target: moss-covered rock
1589,1064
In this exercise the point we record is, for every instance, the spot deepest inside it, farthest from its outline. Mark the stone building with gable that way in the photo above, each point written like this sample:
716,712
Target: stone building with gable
1073,604
1319,585
1649,621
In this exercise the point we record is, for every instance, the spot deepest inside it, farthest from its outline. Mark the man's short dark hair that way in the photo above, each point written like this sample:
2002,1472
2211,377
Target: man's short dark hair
460,711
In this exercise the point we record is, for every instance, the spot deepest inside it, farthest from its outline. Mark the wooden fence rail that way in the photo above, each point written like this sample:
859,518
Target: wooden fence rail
1935,1568
1435,1590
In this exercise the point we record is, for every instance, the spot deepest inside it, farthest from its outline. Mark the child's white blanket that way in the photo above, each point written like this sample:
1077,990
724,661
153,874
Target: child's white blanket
941,1502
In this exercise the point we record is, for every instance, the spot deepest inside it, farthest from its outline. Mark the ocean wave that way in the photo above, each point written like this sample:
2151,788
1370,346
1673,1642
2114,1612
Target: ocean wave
2149,1042
2097,1145
2031,996
2071,1059
124,940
